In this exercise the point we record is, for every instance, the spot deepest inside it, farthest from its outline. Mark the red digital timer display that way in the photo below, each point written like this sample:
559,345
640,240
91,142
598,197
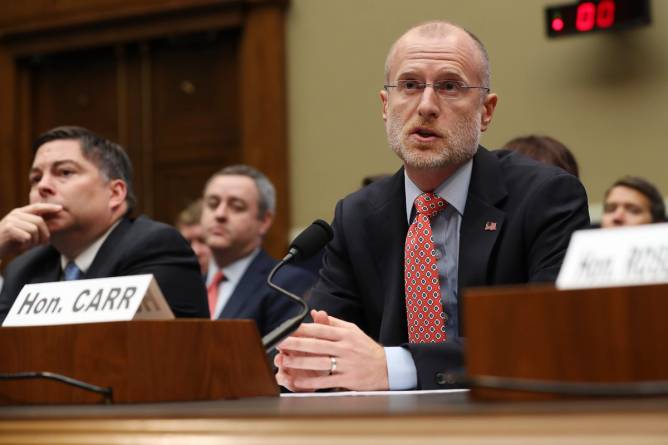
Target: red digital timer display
595,15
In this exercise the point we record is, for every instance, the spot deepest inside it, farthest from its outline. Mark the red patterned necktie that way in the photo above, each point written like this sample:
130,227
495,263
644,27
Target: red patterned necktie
424,310
212,292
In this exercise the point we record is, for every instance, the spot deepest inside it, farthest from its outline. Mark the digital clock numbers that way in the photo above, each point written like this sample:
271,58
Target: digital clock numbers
595,15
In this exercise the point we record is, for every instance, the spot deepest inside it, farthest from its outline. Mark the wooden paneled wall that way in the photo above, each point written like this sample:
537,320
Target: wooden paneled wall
185,86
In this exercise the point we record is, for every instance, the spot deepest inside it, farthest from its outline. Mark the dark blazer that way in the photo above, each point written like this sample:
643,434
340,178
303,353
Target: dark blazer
134,247
535,208
254,299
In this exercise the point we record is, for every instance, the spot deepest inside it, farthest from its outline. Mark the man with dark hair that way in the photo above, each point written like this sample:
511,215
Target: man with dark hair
456,215
632,201
239,206
77,225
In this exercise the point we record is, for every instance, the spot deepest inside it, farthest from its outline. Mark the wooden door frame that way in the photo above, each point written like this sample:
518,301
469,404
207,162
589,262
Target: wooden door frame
262,73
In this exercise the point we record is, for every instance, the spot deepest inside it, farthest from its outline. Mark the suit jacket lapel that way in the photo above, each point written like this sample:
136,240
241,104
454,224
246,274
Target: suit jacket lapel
51,270
250,285
386,228
104,261
482,221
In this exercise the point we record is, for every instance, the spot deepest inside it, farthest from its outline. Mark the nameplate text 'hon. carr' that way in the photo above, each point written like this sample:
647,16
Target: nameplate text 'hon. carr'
134,297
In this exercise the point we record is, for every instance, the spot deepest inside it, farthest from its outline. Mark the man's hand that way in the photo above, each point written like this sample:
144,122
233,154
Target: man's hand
286,376
24,227
305,358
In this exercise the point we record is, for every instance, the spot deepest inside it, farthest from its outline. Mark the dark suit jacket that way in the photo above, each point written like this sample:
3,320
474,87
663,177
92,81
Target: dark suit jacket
254,299
535,207
134,247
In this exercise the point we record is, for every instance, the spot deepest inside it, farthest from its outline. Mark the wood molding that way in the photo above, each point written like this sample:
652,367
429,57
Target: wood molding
9,174
110,33
23,18
263,110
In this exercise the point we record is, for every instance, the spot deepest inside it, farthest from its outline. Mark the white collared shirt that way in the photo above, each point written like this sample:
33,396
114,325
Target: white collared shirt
86,258
233,274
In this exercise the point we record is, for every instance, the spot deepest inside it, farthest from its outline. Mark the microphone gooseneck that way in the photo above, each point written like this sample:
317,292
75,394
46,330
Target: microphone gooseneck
307,243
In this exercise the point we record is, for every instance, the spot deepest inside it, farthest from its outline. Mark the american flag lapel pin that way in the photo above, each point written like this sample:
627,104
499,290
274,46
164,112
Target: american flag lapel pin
490,226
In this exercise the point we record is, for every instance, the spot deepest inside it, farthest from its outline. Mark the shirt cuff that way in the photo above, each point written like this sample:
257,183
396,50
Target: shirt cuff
401,371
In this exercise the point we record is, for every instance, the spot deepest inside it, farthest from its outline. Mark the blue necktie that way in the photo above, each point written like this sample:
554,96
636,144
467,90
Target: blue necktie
71,272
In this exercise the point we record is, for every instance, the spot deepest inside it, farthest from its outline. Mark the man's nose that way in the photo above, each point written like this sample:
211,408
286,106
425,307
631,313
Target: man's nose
45,186
430,105
221,211
619,217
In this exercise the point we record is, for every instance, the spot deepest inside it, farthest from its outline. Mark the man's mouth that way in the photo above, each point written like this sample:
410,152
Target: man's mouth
217,232
425,133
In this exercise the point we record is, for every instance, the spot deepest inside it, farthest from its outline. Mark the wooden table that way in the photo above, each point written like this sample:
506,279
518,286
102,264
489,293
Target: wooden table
382,419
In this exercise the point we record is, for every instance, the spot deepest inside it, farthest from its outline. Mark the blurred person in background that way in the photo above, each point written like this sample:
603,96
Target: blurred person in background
189,224
545,149
632,201
238,210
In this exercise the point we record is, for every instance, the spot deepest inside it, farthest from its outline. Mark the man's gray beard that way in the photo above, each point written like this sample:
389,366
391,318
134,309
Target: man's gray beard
458,146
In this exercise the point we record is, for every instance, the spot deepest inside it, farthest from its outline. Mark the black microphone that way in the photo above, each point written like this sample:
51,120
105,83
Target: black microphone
307,243
310,241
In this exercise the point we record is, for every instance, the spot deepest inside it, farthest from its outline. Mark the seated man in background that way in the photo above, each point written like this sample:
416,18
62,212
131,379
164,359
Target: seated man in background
546,150
389,298
77,225
632,201
239,205
189,224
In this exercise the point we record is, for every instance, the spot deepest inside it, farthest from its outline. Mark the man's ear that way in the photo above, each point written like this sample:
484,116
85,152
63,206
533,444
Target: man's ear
488,107
119,191
265,222
384,98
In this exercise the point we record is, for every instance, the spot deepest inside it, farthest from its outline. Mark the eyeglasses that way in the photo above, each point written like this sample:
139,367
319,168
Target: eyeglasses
448,89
